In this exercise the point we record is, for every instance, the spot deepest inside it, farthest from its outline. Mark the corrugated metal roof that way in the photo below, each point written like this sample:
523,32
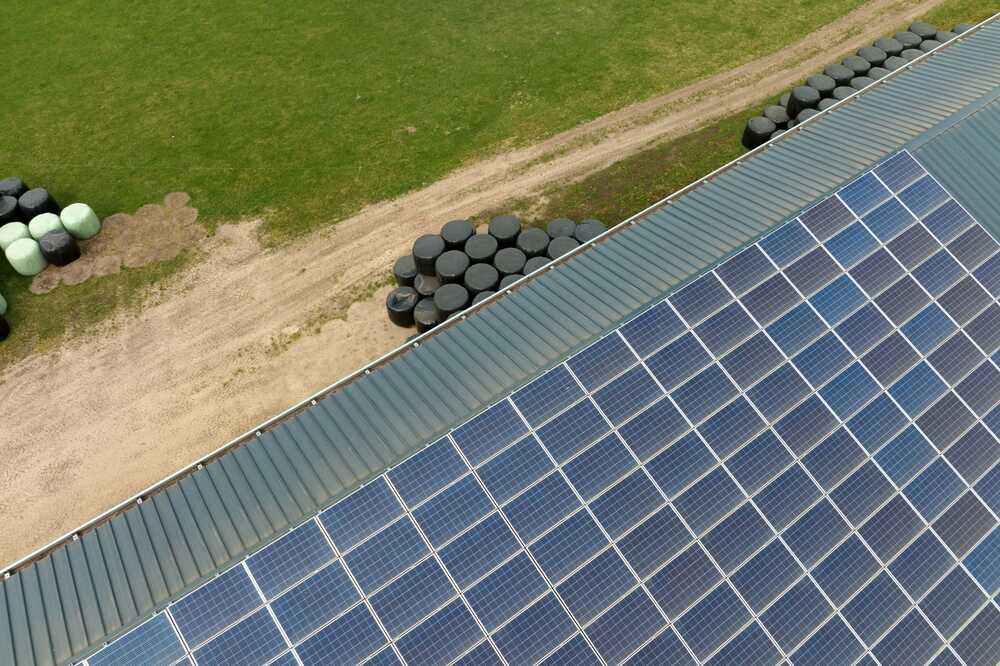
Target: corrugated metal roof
79,594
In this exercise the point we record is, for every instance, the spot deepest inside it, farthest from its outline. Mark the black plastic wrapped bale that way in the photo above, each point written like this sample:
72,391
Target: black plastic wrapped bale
589,230
777,115
481,247
509,260
757,131
945,36
532,242
839,73
505,229
843,92
37,201
804,115
59,248
12,186
426,285
923,30
481,296
776,133
561,226
873,54
560,246
892,63
400,303
535,263
783,100
911,54
509,280
449,299
455,233
451,266
803,97
823,83
962,27
909,40
877,72
425,315
856,64
426,250
892,47
860,82
929,45
404,270
825,104
481,277
9,212
4,329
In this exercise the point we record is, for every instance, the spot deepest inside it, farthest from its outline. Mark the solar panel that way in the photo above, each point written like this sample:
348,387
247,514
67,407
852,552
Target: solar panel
792,457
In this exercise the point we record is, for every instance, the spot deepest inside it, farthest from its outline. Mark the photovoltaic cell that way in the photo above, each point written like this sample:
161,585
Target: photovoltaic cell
894,396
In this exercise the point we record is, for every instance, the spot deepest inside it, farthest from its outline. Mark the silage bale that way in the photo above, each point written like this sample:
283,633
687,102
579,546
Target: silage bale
825,104
873,54
843,92
757,131
4,329
877,72
892,47
80,221
25,257
449,299
588,230
3,305
508,280
909,40
822,83
929,45
425,315
777,115
532,242
9,212
451,266
481,296
803,97
43,224
505,229
37,201
804,115
535,263
481,277
783,100
561,226
859,82
426,285
481,247
560,246
455,233
11,232
945,36
923,30
12,186
962,27
792,123
426,250
911,54
892,63
59,248
776,133
404,270
509,260
839,73
400,303
856,64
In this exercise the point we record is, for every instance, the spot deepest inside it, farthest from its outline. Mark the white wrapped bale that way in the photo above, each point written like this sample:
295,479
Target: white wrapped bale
43,224
25,257
11,232
80,221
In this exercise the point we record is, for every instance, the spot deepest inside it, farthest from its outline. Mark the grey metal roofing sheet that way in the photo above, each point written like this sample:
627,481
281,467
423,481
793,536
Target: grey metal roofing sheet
81,593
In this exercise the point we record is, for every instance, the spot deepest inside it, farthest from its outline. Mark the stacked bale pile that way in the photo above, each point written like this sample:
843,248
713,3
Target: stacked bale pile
843,79
449,271
36,231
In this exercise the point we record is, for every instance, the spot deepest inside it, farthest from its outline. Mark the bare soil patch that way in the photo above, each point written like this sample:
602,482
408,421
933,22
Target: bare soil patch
246,332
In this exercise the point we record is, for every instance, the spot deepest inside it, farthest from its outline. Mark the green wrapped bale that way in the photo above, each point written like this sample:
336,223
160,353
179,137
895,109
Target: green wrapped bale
25,257
9,212
43,224
11,232
80,221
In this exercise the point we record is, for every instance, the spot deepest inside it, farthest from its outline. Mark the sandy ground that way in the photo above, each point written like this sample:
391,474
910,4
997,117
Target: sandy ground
245,333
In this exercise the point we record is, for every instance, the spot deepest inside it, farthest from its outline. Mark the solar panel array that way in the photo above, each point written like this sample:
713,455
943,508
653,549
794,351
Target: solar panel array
793,457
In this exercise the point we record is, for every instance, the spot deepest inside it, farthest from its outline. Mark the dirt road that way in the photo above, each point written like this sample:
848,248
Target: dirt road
244,333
